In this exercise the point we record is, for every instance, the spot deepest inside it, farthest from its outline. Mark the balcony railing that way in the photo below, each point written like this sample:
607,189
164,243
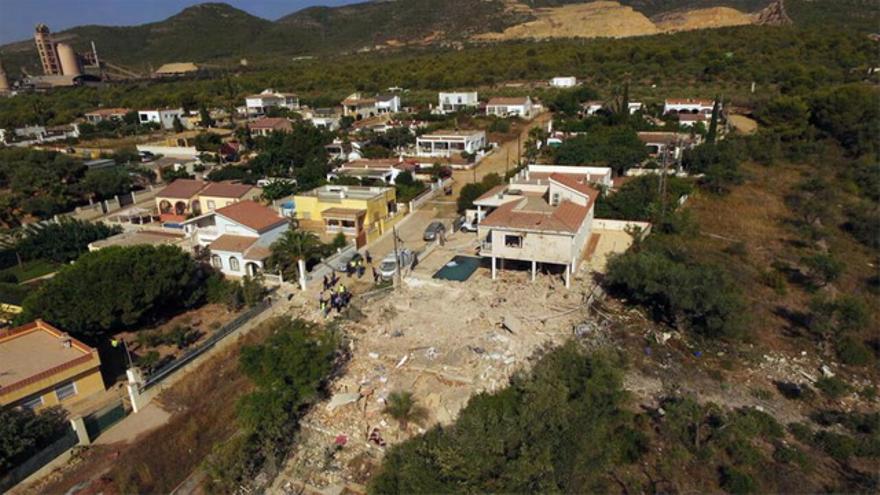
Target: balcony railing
485,248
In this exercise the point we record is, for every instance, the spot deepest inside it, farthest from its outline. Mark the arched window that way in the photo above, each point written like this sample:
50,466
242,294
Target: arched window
233,264
216,261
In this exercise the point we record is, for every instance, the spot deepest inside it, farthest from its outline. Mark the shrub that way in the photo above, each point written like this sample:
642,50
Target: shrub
832,387
854,352
736,481
839,447
23,433
792,455
802,432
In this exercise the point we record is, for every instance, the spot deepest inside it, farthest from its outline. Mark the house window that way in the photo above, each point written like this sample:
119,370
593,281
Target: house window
216,261
555,200
233,264
65,391
33,402
513,241
210,204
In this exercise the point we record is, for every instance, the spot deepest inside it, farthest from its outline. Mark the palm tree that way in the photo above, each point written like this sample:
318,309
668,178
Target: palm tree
292,246
402,407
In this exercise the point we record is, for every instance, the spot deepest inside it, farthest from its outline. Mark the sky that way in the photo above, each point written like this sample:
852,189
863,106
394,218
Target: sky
18,17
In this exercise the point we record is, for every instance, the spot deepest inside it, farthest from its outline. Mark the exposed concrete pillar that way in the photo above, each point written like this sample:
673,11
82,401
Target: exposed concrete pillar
568,276
534,269
135,380
301,265
79,426
493,268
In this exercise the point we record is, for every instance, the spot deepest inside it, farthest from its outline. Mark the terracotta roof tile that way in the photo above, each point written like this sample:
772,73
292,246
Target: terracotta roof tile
502,100
182,189
252,214
233,243
574,183
226,189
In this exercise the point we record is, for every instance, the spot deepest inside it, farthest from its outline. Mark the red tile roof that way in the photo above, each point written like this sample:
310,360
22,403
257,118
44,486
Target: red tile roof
226,189
690,101
565,218
272,123
182,189
252,214
573,182
233,243
107,112
501,100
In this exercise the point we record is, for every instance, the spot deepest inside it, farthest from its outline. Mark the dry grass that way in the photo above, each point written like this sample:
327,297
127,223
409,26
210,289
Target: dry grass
203,407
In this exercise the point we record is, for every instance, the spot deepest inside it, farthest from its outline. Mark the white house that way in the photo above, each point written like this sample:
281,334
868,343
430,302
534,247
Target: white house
634,106
660,143
692,119
359,107
385,170
563,82
547,224
261,103
507,107
449,143
592,107
327,118
688,105
163,117
238,236
388,103
451,102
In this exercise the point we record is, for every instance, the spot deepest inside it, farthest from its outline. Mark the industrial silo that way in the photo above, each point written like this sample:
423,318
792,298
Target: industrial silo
68,59
4,82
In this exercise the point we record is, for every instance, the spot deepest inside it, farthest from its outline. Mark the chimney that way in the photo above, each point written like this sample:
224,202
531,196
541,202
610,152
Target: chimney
65,340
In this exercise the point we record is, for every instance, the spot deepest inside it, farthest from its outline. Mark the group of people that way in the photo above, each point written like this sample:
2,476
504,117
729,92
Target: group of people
338,299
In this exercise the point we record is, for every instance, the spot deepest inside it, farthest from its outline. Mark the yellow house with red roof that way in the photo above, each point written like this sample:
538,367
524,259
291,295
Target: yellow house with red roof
41,366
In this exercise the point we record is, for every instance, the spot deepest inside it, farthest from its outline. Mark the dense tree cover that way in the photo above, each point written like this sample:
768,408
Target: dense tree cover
23,433
699,297
470,192
788,57
639,198
566,427
617,147
44,183
541,434
293,245
61,241
118,287
299,153
408,187
717,162
289,372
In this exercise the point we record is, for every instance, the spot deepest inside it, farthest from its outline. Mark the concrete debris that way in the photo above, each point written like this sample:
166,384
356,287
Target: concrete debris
340,400
826,371
511,324
443,361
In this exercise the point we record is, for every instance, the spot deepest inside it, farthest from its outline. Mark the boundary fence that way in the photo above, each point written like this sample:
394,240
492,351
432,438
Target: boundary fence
165,371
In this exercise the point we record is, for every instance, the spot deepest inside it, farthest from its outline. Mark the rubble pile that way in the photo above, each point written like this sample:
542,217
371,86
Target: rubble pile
441,341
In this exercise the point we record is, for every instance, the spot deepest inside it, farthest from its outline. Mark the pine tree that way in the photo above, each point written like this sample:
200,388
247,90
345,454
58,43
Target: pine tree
713,124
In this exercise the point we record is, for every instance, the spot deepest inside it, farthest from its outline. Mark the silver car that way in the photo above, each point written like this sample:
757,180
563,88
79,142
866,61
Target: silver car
389,265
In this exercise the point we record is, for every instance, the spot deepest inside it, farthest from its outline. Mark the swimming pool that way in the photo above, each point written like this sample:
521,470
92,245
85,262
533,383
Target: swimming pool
459,268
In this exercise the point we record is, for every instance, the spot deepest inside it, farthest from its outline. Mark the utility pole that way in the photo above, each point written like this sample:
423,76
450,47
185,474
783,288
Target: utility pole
397,255
506,162
663,183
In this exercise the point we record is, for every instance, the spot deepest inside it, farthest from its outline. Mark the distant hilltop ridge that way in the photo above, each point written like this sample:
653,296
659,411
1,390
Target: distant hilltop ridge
217,31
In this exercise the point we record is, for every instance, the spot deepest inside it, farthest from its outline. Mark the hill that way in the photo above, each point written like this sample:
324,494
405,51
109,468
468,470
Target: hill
217,32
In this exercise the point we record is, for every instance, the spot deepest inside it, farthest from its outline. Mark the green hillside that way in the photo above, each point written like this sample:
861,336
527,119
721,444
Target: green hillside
217,32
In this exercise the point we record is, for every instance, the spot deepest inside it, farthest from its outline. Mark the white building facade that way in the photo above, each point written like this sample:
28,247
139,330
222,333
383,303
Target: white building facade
450,143
451,102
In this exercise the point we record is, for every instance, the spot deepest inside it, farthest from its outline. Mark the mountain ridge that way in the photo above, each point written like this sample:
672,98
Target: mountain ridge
216,31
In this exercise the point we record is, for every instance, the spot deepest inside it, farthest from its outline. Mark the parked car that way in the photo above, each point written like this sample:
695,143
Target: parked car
468,226
434,230
389,265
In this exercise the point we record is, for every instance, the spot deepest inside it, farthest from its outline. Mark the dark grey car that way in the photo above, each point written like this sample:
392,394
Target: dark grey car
434,230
